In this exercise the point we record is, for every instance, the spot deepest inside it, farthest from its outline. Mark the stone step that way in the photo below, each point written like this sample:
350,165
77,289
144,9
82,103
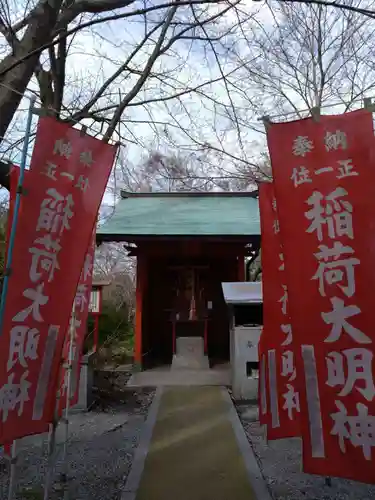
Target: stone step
190,354
189,363
190,346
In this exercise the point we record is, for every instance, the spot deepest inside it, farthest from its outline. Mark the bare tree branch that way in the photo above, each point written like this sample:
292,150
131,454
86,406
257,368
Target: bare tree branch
43,50
146,72
326,3
30,54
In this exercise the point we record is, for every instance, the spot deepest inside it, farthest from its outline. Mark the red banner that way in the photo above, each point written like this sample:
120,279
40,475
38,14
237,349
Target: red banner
64,188
82,302
324,175
283,397
14,178
13,183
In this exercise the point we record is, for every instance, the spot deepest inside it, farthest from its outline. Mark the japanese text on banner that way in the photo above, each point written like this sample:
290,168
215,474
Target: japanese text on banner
64,190
278,356
81,310
324,178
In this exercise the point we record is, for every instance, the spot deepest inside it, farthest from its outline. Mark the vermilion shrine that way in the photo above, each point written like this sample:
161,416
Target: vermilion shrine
186,245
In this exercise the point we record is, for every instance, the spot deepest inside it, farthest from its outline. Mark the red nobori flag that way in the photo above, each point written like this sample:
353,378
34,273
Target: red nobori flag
82,302
282,392
64,188
324,176
14,178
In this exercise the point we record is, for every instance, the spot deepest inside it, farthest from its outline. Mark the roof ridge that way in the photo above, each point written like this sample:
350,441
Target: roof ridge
190,194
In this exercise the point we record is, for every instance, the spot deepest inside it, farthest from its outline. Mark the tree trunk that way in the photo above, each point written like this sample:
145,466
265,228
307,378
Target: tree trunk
13,83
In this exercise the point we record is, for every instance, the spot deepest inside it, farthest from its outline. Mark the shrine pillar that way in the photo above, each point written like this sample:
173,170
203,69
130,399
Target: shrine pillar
139,302
241,268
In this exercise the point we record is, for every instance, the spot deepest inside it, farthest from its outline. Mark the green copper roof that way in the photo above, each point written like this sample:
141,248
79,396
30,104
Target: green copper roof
183,214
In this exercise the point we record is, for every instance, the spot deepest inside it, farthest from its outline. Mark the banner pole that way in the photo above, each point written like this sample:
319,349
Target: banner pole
51,451
12,474
72,331
328,481
52,441
16,211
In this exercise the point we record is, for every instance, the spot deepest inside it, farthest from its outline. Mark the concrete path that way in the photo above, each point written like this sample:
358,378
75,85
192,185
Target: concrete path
162,377
198,450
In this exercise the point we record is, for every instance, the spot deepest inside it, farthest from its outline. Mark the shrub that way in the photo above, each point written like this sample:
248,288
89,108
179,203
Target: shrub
115,332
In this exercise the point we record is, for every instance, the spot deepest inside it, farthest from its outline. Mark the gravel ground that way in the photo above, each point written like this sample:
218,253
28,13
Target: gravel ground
280,463
100,452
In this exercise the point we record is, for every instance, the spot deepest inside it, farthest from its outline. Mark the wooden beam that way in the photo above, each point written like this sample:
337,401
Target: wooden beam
141,239
184,249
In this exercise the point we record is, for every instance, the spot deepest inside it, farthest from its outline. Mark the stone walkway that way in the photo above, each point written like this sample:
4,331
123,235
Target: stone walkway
196,450
161,377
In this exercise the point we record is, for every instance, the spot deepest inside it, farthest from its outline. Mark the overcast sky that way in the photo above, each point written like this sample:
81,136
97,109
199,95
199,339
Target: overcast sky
96,53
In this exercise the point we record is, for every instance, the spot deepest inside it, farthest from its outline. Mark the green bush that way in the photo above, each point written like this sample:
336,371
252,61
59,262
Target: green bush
115,332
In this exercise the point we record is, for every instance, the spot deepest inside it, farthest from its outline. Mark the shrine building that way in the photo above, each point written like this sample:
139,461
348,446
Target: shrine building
186,244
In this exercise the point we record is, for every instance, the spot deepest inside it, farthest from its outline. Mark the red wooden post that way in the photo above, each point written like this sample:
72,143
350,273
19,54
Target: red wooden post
173,336
205,336
139,293
241,268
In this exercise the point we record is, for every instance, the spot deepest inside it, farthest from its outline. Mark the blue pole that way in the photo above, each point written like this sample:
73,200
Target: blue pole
16,212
